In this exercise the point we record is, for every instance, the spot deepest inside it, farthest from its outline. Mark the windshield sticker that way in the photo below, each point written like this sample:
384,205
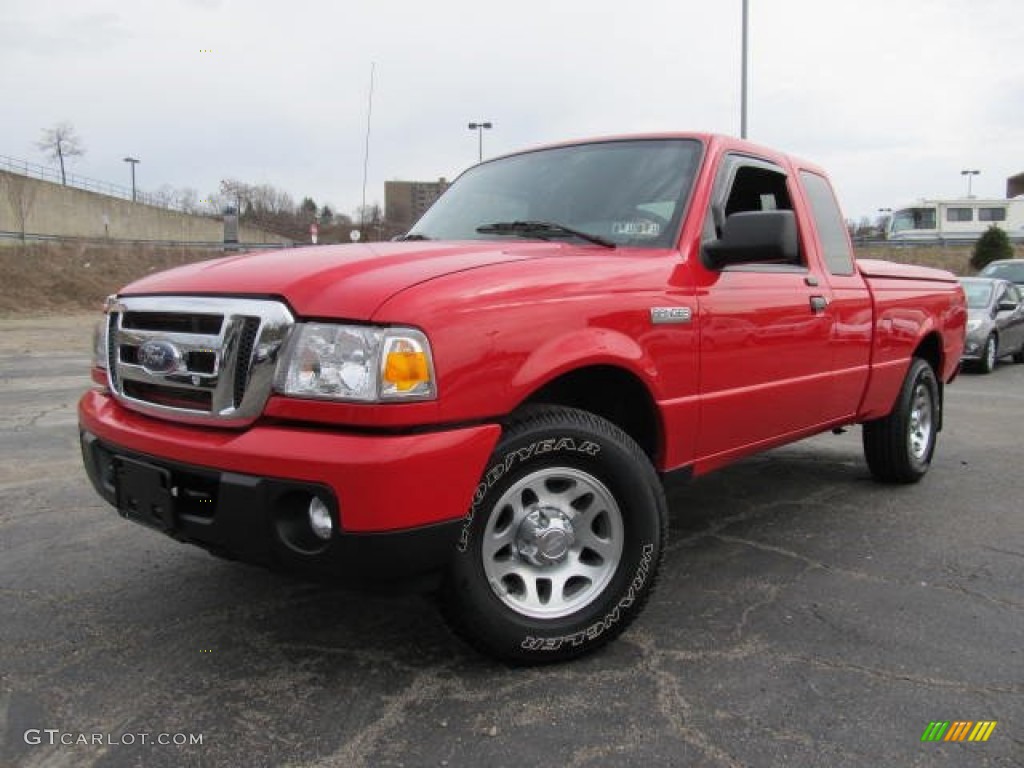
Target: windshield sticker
636,228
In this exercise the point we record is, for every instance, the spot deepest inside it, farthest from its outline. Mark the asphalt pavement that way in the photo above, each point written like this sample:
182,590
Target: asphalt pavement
805,616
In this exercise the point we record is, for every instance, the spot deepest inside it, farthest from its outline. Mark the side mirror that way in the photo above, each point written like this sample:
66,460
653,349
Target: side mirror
752,237
1007,306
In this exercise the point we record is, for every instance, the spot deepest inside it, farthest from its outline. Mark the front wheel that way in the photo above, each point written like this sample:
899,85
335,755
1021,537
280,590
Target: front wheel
562,543
987,363
899,447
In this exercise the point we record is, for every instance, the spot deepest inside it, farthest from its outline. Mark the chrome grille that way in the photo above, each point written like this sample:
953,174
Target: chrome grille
195,359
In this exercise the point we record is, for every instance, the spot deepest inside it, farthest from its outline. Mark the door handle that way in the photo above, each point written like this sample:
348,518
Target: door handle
818,304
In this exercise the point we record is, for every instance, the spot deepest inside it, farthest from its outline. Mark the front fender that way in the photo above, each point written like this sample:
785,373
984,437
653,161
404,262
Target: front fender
584,348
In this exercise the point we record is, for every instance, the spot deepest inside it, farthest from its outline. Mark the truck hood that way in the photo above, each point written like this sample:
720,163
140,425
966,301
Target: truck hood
336,281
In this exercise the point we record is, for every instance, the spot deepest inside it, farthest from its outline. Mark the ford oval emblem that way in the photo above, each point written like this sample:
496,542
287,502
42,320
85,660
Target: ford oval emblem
159,357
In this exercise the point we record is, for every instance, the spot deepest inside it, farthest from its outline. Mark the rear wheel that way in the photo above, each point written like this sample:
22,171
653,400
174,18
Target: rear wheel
987,363
561,545
899,447
1018,356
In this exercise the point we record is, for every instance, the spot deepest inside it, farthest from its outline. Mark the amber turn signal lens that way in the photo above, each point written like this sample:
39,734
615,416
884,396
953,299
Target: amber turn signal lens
405,367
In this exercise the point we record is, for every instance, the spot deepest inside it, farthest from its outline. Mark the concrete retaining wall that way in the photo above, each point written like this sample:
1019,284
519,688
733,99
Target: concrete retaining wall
41,207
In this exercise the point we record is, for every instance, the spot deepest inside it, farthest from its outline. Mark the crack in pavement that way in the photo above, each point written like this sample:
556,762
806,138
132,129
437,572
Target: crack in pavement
861,575
23,422
674,707
355,752
773,591
1003,551
900,677
756,508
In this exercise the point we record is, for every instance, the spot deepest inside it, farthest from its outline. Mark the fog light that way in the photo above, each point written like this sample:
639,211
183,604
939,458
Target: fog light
320,518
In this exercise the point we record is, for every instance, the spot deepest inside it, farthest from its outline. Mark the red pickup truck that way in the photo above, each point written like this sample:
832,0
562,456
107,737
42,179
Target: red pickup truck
489,406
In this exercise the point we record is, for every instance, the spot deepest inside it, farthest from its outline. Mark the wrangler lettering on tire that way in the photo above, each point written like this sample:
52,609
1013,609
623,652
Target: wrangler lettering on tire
560,549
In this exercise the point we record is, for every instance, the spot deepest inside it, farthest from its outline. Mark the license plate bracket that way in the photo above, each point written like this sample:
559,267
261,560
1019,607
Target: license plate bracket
145,494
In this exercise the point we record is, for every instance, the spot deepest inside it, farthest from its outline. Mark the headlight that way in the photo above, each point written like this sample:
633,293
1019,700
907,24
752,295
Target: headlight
356,362
974,324
99,344
100,350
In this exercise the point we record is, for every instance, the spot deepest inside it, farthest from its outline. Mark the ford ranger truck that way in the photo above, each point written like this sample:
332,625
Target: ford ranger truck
488,407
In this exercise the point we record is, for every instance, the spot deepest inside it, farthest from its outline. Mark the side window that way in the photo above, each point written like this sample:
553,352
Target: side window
757,189
991,214
835,242
747,184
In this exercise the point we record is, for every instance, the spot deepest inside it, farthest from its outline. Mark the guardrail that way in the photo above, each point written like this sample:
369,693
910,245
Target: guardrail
36,171
214,244
930,242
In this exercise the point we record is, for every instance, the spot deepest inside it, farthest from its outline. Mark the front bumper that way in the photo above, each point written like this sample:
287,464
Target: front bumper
397,501
974,346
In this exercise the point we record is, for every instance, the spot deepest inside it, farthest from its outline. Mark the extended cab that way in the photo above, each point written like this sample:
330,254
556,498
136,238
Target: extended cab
489,406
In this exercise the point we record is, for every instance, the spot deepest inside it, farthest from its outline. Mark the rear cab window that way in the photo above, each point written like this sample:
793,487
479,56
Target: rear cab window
836,252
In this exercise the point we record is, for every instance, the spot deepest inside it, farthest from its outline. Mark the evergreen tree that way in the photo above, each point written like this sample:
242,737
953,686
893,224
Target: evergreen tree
991,246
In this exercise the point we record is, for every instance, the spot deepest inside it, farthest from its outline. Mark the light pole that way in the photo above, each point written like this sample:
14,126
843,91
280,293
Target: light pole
479,128
884,220
743,75
969,174
134,161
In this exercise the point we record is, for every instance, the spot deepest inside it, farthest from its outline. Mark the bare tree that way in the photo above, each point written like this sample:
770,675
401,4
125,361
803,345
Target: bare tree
165,196
235,193
21,195
188,200
60,142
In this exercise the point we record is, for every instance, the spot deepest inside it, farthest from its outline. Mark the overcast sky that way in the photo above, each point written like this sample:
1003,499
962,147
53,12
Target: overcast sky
894,97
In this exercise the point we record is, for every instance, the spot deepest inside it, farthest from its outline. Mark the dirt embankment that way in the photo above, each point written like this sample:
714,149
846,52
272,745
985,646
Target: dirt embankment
955,258
49,278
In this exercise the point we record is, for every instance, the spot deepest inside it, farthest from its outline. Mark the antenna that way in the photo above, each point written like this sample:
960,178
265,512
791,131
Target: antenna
366,153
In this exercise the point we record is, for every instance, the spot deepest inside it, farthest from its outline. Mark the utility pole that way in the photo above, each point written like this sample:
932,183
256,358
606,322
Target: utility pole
743,74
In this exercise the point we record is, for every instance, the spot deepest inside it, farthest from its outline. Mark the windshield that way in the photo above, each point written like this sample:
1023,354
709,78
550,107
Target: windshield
626,192
913,218
1012,271
978,293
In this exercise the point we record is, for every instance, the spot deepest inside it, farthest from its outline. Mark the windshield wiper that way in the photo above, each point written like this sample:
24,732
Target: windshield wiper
541,229
412,236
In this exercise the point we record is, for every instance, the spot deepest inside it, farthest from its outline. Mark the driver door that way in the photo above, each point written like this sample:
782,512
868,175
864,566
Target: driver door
765,328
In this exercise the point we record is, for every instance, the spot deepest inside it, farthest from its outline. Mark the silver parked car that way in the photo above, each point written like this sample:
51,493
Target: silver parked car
1007,269
995,322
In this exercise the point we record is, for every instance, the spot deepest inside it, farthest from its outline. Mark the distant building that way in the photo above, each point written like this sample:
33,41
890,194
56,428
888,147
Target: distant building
406,201
1015,185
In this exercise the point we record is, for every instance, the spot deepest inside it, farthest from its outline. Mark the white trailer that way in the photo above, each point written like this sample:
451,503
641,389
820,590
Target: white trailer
964,219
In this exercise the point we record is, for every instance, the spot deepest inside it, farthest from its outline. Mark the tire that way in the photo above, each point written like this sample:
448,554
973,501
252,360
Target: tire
1018,356
899,447
562,543
987,362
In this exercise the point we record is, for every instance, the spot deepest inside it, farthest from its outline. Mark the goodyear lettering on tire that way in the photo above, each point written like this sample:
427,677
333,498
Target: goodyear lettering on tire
510,459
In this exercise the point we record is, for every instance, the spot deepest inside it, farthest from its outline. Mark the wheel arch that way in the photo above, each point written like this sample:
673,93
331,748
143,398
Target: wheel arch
929,349
612,392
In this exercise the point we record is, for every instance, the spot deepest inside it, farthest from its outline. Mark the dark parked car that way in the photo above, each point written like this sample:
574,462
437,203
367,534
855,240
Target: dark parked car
995,321
1006,269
